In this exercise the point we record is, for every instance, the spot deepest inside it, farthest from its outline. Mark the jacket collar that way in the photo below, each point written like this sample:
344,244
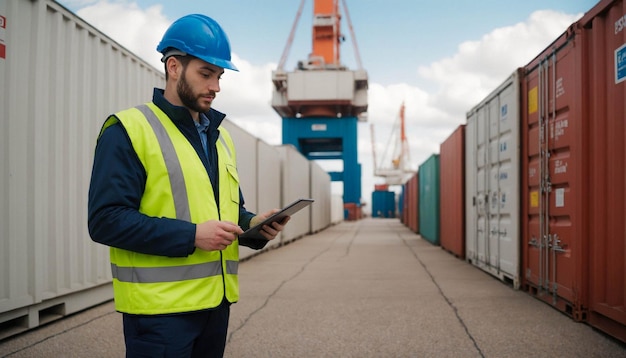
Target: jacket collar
181,115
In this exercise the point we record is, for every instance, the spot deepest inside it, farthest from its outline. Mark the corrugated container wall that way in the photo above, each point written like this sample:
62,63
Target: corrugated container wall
60,79
411,200
401,204
606,50
429,199
320,192
268,182
246,150
260,185
573,183
452,192
336,208
295,173
492,152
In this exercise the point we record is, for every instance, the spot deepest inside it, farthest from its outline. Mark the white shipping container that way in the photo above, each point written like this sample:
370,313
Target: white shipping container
336,209
258,164
60,79
245,145
320,192
295,185
492,183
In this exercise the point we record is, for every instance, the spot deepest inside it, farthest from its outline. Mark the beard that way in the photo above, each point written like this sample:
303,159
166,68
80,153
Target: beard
187,97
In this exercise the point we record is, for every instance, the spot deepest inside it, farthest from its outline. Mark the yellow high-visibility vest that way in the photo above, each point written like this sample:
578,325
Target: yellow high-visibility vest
177,187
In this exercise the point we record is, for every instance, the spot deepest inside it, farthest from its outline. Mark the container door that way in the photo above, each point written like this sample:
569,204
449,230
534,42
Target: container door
503,183
470,188
493,184
476,187
553,186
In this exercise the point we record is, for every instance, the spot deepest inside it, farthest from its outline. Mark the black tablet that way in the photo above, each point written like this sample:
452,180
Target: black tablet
254,232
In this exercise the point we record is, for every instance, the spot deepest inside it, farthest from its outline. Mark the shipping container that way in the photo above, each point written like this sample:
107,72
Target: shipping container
246,151
60,79
605,26
493,184
295,173
411,199
260,184
268,183
383,204
352,211
452,192
428,205
574,101
336,209
320,192
401,204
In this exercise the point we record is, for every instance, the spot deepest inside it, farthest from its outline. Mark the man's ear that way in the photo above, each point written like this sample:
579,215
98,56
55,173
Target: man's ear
174,67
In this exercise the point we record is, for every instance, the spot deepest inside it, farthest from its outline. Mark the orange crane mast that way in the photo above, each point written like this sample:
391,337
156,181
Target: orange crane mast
321,100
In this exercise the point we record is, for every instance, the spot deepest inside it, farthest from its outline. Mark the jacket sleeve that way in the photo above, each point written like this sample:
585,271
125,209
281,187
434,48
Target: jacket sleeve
117,185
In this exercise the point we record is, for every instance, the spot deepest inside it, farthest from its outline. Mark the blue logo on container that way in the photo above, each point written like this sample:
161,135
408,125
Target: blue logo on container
620,64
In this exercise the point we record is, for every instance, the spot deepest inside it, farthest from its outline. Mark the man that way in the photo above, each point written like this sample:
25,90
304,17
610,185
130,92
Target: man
165,197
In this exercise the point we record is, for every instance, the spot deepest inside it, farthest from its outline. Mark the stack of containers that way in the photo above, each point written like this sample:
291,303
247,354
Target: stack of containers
574,105
492,182
59,80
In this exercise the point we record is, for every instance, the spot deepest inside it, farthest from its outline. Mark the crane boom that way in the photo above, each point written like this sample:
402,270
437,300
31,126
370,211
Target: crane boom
357,55
373,148
396,172
283,57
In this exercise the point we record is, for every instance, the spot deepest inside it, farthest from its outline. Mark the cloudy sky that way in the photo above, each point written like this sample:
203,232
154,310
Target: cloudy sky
438,57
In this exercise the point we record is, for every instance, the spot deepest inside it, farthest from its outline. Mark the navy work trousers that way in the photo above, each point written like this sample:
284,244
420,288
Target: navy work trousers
194,334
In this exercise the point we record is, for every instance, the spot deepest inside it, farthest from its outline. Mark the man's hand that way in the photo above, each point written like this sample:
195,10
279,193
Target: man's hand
269,232
216,235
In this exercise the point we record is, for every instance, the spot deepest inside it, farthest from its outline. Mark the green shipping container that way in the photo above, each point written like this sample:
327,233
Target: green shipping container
429,199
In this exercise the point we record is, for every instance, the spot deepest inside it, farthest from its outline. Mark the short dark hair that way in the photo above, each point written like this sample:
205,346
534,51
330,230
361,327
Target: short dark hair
184,60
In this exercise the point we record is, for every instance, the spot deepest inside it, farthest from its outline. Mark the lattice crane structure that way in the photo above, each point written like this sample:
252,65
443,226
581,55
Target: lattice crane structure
394,166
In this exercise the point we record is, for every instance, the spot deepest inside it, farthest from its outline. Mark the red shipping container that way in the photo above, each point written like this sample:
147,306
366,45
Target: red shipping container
411,204
452,193
574,143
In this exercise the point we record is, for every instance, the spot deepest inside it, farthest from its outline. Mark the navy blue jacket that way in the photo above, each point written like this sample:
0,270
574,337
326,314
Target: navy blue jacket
118,181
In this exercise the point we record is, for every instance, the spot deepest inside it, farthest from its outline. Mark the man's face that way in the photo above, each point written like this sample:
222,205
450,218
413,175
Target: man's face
198,85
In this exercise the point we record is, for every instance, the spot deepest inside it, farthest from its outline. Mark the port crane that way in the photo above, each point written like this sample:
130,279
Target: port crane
394,167
321,100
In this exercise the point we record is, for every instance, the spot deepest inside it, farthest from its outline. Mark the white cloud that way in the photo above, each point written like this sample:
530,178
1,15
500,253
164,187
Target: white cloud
480,66
138,30
460,81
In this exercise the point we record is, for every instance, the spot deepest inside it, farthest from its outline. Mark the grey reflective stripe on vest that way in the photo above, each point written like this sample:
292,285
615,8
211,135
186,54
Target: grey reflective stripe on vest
172,273
177,180
225,146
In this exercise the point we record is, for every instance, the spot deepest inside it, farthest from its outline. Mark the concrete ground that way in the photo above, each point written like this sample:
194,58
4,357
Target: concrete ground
369,288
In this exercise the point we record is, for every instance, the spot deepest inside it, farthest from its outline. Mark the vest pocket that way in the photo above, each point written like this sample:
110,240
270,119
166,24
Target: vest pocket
233,182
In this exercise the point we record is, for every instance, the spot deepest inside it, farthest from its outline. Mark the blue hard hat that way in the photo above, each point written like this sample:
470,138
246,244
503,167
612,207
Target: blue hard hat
199,36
